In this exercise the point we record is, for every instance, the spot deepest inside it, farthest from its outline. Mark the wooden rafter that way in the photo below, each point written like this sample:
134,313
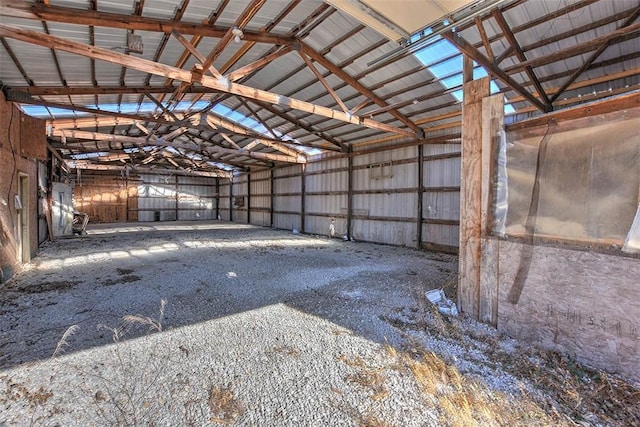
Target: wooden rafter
28,10
578,49
298,123
192,49
247,14
511,38
191,77
246,46
341,74
250,68
142,142
84,164
324,82
254,113
469,50
16,62
485,40
594,56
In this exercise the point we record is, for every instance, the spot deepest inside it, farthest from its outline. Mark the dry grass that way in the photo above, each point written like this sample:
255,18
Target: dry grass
463,402
372,380
286,349
368,377
63,341
154,324
224,407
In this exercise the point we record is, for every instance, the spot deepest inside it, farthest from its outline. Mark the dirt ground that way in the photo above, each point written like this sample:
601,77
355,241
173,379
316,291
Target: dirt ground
222,323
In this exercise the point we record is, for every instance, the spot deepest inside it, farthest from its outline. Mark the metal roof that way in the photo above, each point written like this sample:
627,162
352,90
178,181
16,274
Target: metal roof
328,82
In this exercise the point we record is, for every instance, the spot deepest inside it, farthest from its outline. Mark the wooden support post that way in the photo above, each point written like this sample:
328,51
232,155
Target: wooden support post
471,197
177,197
303,188
467,69
272,197
217,198
249,198
231,199
420,186
492,126
350,193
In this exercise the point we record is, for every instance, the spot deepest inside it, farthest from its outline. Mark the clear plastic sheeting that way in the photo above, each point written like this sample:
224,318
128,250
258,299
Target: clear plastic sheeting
501,206
576,180
632,243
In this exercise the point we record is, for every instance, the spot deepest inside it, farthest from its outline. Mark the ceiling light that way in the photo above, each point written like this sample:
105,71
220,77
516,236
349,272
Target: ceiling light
237,34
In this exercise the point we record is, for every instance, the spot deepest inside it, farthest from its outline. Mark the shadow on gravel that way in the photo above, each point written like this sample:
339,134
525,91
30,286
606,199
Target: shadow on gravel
206,273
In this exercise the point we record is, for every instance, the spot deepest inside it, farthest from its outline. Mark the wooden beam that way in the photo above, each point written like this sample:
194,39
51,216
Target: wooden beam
350,194
192,49
469,50
282,148
593,57
511,38
250,68
470,197
300,124
247,14
343,75
84,164
16,62
575,50
254,113
323,81
28,10
95,136
420,195
619,103
485,40
191,77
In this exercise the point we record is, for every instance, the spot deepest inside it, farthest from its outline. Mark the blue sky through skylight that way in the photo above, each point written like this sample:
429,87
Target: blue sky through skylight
449,72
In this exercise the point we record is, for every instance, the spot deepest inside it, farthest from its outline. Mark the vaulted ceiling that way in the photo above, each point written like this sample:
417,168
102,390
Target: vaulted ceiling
209,86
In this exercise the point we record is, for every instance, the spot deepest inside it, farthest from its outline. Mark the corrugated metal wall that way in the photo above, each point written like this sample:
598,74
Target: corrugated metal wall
224,199
385,196
441,199
326,196
240,200
173,197
261,198
384,203
287,206
385,187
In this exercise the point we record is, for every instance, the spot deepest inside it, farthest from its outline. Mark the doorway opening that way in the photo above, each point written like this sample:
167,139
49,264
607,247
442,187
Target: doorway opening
22,210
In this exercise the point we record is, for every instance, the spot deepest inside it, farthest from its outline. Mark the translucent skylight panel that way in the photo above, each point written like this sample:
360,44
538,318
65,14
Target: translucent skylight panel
450,71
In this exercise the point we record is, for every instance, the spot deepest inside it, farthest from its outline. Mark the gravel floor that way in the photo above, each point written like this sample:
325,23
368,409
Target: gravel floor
260,327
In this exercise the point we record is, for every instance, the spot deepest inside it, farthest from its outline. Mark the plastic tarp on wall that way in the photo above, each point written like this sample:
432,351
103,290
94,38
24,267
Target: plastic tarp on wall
577,180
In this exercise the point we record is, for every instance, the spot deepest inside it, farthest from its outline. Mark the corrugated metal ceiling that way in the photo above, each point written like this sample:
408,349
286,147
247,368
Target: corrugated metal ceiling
368,60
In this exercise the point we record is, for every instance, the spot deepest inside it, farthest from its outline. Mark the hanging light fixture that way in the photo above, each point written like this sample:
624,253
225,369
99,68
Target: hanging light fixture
237,34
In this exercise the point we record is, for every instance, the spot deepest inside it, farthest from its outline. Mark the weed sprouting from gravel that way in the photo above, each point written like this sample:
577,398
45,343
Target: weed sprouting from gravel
154,324
63,341
223,405
128,393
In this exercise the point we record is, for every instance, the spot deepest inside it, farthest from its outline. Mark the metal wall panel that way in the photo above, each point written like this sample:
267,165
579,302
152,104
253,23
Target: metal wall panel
156,198
172,197
385,186
224,201
240,200
385,197
437,203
